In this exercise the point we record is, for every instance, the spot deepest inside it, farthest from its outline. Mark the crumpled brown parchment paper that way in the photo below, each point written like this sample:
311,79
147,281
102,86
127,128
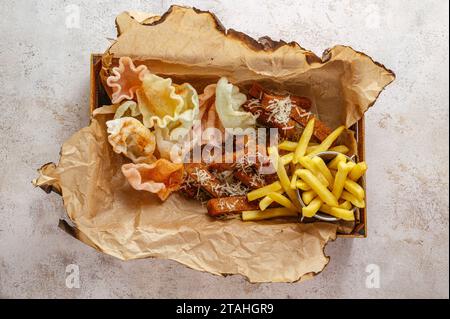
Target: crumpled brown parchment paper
191,46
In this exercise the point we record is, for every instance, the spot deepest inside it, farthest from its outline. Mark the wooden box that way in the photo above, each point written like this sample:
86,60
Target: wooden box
98,97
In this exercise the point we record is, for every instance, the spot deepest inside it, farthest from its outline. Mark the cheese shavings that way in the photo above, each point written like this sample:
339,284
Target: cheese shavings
202,176
280,110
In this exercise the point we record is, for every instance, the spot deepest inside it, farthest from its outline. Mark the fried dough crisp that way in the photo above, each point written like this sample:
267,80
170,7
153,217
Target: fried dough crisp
161,177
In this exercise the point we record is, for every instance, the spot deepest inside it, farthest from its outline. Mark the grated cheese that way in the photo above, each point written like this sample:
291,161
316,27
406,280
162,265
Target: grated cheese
280,110
256,180
202,176
253,103
304,114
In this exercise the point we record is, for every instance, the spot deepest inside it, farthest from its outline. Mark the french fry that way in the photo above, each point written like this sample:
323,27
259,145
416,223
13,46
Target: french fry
339,179
272,150
327,209
333,164
353,199
340,149
294,181
354,188
288,146
302,185
267,201
358,171
284,179
282,200
304,140
307,163
287,158
328,141
308,196
310,148
346,205
342,213
250,215
312,208
351,165
263,191
322,168
318,187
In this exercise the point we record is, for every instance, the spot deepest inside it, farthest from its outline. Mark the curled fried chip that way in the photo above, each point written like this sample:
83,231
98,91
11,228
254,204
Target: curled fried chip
228,106
128,106
126,79
129,137
126,109
173,144
208,115
161,177
162,103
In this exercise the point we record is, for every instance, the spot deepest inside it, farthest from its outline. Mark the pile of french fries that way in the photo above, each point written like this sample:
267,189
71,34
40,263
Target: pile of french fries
331,188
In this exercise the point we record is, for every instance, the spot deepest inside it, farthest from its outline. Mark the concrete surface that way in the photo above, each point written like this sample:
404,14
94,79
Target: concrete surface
44,65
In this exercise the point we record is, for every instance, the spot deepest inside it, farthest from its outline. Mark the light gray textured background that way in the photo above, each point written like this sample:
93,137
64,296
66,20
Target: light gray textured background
44,67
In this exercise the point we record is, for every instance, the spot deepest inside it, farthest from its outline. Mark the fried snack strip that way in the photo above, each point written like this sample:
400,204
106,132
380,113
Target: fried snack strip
328,141
354,188
302,117
288,146
322,168
268,213
302,145
318,187
189,190
265,118
267,201
340,178
308,196
222,167
282,200
302,185
263,191
307,162
229,205
312,208
340,149
358,171
200,174
260,93
299,113
283,177
335,161
251,180
353,199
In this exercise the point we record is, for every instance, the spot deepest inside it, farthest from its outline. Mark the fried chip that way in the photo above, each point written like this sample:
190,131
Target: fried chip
129,137
162,103
161,177
126,79
229,103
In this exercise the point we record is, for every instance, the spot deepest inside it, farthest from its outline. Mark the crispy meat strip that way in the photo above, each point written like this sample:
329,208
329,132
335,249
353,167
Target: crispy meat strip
260,93
221,167
321,130
229,205
189,190
298,114
265,118
200,174
249,179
